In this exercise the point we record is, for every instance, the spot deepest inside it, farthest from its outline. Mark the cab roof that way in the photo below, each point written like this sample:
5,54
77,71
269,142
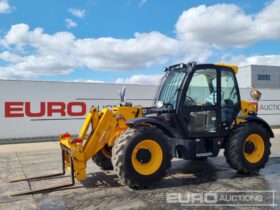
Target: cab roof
192,64
233,67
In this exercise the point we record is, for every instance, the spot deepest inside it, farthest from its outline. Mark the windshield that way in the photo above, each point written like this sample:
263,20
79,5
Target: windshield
170,87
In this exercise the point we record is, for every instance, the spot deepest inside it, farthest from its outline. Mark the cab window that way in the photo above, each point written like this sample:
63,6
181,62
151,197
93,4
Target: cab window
229,97
202,89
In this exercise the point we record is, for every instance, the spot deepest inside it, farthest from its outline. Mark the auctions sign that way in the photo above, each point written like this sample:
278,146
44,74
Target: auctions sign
223,198
270,107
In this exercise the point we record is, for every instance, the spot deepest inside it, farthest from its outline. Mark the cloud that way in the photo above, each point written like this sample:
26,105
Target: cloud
33,53
227,25
200,32
70,23
4,6
80,13
10,57
35,66
87,81
242,60
140,79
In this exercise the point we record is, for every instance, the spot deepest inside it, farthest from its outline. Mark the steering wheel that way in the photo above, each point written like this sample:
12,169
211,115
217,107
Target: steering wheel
189,101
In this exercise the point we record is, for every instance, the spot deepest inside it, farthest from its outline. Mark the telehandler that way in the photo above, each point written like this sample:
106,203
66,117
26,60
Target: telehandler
197,111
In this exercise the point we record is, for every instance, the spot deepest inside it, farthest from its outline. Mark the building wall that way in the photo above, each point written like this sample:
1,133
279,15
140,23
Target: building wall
244,77
272,71
269,104
57,107
50,105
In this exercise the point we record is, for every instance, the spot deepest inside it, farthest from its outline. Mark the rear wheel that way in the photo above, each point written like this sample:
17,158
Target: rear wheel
248,148
141,157
103,159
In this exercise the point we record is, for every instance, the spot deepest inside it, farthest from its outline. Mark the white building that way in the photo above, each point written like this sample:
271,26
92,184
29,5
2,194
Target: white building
40,111
260,76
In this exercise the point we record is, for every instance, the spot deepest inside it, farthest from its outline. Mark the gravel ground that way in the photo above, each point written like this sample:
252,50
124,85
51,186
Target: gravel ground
102,190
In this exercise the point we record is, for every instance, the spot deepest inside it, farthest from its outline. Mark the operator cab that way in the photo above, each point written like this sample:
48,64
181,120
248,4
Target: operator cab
204,98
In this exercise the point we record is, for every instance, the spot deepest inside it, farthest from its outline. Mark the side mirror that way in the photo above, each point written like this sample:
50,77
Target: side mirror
256,94
122,93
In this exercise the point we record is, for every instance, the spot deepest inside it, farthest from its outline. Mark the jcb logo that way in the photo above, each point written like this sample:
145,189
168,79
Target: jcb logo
47,109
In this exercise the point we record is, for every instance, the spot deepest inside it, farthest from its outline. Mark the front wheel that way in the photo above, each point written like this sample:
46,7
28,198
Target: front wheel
103,159
248,148
141,156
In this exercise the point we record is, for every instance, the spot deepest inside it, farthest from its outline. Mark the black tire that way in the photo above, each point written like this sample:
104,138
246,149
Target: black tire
102,161
122,156
235,152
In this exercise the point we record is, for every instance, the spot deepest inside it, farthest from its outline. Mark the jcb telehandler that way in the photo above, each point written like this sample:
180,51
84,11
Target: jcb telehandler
197,112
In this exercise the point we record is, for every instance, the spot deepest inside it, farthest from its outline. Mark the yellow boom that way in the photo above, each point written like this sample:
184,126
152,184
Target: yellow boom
104,126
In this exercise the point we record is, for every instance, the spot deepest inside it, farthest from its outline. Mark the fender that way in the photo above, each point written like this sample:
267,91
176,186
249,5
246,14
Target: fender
258,120
138,121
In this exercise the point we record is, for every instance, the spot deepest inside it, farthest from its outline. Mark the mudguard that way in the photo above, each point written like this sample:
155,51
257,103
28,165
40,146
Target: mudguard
138,121
258,120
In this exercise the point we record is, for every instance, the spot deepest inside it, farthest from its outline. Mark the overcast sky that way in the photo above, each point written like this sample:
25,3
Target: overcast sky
131,41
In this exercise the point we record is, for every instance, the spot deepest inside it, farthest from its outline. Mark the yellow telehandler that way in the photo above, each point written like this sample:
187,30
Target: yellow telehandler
197,111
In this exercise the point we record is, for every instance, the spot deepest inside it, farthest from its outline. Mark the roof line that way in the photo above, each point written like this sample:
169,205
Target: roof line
259,65
99,83
244,66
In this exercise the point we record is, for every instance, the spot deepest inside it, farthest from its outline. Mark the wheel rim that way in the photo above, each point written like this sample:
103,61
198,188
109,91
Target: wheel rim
106,153
147,165
253,148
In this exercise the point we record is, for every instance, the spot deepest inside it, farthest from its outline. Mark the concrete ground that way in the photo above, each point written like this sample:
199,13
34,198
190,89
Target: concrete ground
102,190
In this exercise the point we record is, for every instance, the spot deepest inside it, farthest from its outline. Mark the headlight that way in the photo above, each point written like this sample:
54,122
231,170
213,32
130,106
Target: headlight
159,104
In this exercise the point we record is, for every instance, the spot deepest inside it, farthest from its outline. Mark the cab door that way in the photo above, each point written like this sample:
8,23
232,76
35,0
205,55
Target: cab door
199,110
230,98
